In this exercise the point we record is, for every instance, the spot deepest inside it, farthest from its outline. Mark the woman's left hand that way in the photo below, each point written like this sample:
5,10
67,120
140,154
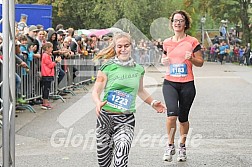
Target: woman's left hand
188,55
159,107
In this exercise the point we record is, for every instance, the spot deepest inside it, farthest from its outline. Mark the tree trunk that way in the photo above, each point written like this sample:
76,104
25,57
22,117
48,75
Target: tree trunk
246,29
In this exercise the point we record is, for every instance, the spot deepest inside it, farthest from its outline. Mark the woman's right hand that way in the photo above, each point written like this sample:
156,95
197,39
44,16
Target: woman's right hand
99,106
165,59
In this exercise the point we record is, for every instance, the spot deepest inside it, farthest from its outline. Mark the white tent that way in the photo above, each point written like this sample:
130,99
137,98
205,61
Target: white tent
114,29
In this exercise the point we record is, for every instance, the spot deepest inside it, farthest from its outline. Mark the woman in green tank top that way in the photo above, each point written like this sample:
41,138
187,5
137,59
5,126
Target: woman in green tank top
121,80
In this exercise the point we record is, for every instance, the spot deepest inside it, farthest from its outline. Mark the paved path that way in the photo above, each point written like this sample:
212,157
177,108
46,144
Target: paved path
220,128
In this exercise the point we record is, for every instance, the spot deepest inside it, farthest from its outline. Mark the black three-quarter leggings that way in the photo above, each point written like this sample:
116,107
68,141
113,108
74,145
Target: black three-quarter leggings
179,98
46,86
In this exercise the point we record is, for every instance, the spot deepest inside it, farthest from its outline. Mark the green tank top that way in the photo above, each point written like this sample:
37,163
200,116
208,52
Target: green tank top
122,86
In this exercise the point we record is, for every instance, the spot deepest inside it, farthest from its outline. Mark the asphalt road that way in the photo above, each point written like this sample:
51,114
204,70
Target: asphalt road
220,125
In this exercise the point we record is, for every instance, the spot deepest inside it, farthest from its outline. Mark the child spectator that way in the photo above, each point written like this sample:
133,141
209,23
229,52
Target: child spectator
47,73
27,52
19,62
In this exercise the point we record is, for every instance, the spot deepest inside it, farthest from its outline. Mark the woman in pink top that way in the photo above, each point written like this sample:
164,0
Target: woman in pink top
181,52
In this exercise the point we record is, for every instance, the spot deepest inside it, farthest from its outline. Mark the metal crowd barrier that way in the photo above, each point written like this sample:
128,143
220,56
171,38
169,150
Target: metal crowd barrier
79,71
149,57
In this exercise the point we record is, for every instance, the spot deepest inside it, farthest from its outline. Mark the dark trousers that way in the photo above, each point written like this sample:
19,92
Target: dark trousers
74,72
60,75
46,86
222,57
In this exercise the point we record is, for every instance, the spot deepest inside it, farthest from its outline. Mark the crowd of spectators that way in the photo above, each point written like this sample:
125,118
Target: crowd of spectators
228,47
67,43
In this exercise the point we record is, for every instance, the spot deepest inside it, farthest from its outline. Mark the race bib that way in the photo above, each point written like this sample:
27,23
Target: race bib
178,70
119,99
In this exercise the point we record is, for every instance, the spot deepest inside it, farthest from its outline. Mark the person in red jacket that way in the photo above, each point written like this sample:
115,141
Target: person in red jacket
47,73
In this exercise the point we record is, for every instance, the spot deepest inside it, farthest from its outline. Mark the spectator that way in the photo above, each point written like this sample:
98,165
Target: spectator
76,45
52,37
60,37
27,53
247,54
32,41
22,24
21,63
47,73
216,40
41,39
241,55
40,27
66,54
236,53
223,51
58,27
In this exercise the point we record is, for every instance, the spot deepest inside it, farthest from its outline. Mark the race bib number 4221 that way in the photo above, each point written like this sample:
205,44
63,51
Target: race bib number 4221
178,70
119,99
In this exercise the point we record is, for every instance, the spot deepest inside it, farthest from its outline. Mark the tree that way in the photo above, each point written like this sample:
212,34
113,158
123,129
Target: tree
235,11
93,14
244,16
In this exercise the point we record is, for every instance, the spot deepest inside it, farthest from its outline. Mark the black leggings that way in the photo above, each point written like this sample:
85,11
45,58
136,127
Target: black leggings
179,98
46,86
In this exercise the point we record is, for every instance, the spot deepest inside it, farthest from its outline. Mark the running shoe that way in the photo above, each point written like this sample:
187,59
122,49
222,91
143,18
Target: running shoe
169,152
181,154
46,107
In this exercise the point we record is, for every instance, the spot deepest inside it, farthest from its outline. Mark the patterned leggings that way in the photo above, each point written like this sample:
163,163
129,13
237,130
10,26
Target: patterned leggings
114,135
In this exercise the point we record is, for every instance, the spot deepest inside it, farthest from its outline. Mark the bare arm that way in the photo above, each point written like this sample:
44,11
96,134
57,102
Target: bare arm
99,86
197,59
146,97
143,94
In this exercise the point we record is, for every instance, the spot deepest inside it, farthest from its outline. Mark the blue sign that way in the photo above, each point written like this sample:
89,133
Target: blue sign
36,14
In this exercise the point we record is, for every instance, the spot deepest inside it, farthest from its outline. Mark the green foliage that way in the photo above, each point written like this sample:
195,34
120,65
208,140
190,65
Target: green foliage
235,11
27,1
92,14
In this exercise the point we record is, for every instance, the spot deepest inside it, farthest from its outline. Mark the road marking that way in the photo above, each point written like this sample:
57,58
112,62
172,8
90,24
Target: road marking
219,77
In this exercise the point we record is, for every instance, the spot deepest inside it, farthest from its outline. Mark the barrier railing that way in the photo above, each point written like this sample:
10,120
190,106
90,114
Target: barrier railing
77,70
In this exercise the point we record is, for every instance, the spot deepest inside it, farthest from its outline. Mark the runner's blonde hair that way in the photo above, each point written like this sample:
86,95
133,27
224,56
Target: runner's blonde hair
109,52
